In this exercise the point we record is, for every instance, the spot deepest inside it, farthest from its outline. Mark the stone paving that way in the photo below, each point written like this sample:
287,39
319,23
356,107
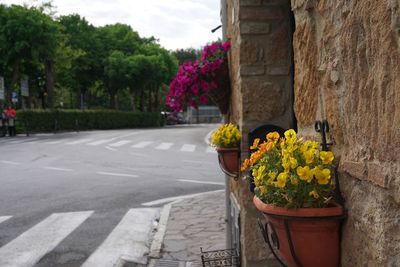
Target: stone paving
194,223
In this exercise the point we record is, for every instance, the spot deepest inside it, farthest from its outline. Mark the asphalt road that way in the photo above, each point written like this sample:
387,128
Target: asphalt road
61,195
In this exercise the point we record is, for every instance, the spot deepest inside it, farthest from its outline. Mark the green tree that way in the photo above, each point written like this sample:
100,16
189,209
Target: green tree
28,37
83,47
116,75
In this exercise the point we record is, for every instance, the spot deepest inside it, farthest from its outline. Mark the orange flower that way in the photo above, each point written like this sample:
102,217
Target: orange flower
255,143
274,136
245,164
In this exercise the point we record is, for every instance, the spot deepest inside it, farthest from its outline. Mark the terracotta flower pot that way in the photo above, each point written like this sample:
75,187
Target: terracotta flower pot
229,160
314,234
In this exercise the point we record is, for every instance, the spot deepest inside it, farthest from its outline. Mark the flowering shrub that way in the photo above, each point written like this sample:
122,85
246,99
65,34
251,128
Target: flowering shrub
226,136
196,78
290,172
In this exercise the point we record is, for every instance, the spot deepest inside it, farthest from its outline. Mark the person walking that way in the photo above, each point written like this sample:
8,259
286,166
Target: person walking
11,114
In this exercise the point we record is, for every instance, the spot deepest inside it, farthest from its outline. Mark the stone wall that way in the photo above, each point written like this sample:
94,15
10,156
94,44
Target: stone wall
347,70
262,93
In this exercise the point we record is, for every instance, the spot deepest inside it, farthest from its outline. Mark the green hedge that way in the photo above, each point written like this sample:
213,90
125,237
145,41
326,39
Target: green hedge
64,120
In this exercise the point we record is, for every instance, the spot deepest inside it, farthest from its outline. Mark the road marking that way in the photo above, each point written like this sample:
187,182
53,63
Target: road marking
142,144
10,162
211,149
99,142
164,146
79,141
110,148
57,169
28,248
171,199
117,174
120,143
22,141
188,148
55,142
129,239
200,182
4,218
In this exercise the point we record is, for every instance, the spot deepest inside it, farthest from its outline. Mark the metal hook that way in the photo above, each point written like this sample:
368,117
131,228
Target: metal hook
322,127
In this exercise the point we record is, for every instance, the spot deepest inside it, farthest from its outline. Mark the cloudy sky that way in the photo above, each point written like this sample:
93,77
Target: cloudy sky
176,23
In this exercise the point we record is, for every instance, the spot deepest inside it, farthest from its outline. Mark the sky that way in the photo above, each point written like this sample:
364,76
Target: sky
176,23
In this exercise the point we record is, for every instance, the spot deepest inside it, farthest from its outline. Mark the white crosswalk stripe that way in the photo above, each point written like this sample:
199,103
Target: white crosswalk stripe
114,143
120,143
22,141
142,144
127,239
4,218
55,142
80,141
188,148
100,142
164,146
28,248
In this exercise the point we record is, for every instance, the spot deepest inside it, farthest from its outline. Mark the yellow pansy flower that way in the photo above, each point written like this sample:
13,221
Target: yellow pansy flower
290,135
308,144
326,157
309,155
304,173
272,174
281,180
286,164
323,176
293,162
263,189
314,194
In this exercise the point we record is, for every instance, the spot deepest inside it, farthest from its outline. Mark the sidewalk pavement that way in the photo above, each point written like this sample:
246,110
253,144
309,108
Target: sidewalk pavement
185,226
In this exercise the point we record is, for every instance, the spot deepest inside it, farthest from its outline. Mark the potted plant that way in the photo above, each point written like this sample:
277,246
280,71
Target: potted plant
226,139
196,81
295,190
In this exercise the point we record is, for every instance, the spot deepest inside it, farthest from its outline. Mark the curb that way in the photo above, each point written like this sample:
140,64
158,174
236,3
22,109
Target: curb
158,239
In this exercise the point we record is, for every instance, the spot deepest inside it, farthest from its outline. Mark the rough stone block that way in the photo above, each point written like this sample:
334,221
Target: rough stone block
377,174
261,14
252,70
254,27
251,53
278,70
353,168
263,100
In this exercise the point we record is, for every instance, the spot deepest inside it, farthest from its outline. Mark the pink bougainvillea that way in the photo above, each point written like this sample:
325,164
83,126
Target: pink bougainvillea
196,78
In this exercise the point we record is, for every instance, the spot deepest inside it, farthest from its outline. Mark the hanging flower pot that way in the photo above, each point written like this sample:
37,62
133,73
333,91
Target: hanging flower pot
197,81
226,139
228,159
308,237
294,190
220,95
